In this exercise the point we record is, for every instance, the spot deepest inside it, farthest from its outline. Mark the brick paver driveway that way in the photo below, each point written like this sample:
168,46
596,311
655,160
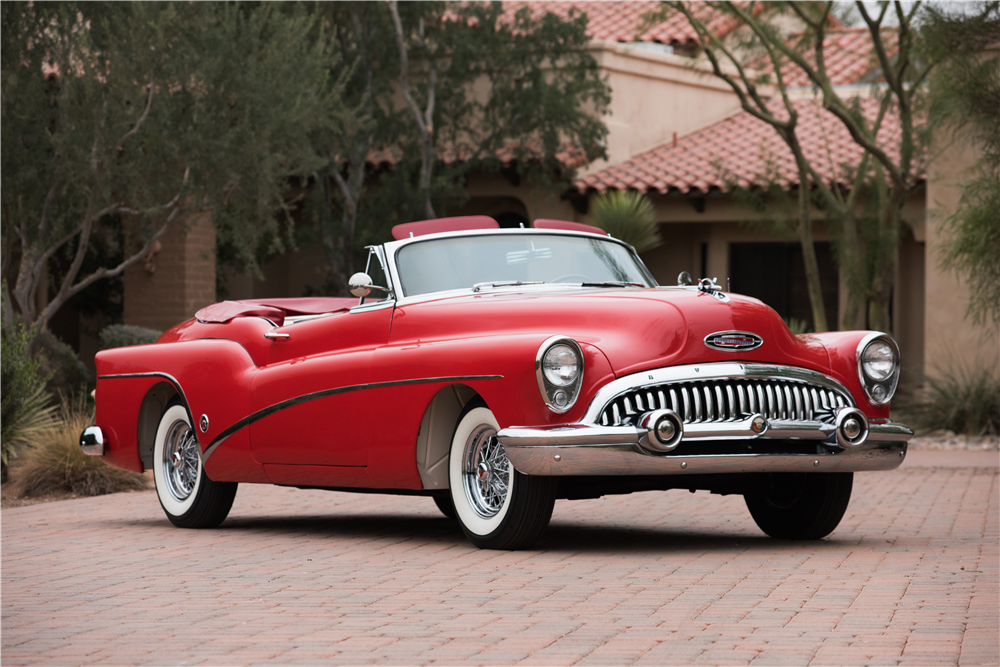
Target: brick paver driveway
307,577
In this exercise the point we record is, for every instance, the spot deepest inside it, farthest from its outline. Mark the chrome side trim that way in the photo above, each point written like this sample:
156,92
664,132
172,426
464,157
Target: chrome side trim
166,376
305,398
696,372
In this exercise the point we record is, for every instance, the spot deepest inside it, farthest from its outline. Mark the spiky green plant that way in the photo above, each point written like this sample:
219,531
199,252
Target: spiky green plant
55,463
26,405
628,216
965,400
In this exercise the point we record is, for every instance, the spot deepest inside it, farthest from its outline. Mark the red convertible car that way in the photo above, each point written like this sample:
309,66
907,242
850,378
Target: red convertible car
496,370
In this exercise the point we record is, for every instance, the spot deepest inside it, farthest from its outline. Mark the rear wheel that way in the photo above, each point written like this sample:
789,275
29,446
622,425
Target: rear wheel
188,497
800,506
497,507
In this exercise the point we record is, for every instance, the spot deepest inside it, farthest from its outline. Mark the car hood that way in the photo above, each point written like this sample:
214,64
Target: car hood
636,329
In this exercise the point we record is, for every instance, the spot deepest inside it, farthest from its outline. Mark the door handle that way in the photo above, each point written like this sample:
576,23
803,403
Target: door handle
276,336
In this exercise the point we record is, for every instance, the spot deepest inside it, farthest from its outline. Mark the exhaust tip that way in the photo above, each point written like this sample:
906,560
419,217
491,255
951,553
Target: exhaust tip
92,441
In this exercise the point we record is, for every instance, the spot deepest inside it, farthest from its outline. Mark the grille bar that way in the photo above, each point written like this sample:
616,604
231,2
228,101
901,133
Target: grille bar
728,399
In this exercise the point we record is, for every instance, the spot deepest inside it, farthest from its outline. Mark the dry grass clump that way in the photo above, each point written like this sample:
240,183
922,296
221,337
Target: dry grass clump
54,463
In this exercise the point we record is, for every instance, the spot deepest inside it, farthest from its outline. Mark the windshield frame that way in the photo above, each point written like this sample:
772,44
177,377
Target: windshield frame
393,247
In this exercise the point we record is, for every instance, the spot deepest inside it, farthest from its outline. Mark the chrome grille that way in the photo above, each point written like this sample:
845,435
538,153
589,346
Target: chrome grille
728,399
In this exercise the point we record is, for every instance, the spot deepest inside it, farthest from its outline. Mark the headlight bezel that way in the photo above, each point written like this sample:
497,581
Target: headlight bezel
550,391
870,384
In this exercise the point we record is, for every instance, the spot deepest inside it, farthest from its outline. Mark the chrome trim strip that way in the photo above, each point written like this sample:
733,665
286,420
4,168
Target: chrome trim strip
710,371
305,398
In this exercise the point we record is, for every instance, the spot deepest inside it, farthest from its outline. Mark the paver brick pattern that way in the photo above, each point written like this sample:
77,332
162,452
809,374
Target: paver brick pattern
659,578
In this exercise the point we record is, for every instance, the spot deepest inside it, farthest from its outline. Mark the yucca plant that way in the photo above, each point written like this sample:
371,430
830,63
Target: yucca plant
628,216
966,400
55,463
25,405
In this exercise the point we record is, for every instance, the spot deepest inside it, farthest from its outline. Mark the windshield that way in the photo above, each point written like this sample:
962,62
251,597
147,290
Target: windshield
462,262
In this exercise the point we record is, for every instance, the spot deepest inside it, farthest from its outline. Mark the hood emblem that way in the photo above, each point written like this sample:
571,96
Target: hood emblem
733,340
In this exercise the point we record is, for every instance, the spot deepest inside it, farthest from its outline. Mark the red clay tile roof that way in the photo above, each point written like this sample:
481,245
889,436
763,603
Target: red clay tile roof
619,21
848,55
743,150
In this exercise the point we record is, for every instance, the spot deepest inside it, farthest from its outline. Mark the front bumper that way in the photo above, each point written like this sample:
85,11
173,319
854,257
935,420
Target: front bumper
584,449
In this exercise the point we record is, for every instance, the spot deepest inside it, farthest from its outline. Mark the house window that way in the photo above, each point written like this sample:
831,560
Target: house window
775,274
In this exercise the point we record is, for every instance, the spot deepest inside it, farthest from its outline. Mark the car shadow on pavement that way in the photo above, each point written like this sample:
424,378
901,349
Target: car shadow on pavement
560,537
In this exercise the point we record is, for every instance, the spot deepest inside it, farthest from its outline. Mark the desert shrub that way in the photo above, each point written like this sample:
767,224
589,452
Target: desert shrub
967,400
25,405
628,216
125,335
54,461
67,376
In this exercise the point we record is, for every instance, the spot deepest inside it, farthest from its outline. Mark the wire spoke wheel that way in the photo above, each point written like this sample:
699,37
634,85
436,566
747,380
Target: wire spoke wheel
187,495
181,460
486,472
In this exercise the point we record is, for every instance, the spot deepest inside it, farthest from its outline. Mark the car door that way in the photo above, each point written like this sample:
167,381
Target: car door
310,404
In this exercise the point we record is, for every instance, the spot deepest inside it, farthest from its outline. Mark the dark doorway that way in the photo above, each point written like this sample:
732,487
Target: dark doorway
509,219
775,274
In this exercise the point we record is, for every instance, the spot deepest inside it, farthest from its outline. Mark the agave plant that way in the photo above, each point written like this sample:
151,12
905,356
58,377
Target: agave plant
627,216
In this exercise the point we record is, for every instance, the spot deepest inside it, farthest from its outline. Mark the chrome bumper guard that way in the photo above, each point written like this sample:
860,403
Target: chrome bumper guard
92,441
851,444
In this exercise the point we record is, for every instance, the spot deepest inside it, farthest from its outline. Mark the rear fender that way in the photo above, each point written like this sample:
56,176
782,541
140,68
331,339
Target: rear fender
212,379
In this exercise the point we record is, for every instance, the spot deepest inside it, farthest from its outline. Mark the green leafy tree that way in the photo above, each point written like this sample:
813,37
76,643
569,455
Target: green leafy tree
150,114
965,97
477,82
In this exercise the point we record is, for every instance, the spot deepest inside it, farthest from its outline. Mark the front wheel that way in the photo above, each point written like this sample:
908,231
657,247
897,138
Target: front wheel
497,507
800,506
188,497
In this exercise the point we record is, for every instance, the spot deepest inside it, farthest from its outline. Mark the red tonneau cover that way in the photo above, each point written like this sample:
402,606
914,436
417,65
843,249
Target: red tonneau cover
275,310
565,225
459,224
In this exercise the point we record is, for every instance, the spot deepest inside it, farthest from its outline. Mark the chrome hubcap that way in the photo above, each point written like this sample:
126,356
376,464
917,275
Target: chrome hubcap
486,472
181,460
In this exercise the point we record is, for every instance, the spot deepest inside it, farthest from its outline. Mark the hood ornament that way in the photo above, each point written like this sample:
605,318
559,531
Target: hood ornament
712,288
733,340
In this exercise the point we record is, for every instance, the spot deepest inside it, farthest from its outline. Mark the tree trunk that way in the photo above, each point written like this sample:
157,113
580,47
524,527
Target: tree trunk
809,254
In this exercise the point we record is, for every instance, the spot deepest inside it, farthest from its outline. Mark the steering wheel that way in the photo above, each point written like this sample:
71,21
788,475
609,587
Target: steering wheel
563,279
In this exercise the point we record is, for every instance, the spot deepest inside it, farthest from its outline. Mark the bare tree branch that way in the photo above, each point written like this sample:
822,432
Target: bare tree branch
149,103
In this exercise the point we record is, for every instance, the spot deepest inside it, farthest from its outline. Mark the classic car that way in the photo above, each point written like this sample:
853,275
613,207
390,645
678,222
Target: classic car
495,371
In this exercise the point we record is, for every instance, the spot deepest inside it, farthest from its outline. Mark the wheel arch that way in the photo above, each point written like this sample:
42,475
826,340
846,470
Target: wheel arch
153,404
436,430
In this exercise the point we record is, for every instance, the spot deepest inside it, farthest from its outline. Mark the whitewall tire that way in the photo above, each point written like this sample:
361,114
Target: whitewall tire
497,507
188,497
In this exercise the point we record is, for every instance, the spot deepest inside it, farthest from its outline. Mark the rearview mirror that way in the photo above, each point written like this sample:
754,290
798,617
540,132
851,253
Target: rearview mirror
360,285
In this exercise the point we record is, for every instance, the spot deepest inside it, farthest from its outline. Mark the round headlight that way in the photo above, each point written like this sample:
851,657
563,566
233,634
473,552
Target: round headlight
560,365
878,360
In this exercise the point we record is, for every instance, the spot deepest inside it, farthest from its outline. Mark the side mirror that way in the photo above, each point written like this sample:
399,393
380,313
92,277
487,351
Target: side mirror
360,285
684,278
